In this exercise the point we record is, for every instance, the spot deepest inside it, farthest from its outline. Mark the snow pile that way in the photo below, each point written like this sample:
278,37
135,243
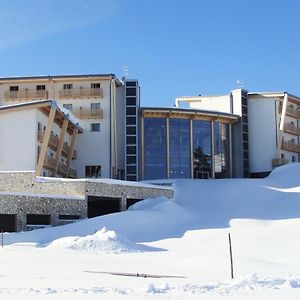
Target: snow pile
104,240
188,237
197,204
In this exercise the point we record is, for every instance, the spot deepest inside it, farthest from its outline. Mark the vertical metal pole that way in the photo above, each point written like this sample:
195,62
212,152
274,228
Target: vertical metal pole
230,152
168,146
2,239
231,259
192,148
213,148
142,135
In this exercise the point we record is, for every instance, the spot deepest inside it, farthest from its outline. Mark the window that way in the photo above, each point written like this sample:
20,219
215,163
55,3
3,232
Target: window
281,155
68,86
131,130
68,106
92,171
14,88
293,158
35,219
95,127
130,83
39,126
95,85
68,217
131,92
40,87
131,101
95,106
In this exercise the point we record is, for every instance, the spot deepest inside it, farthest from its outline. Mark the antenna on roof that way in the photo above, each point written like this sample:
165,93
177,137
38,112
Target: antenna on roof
239,82
125,71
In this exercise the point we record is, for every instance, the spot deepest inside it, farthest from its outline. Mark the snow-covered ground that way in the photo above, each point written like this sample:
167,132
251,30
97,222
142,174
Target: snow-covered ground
186,237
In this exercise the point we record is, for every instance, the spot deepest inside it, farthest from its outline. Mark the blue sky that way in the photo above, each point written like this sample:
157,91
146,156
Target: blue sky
174,48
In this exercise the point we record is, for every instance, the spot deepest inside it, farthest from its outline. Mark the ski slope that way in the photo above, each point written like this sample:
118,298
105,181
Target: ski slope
186,236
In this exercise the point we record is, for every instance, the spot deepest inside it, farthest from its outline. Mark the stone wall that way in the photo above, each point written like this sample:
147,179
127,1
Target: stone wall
21,193
21,205
118,190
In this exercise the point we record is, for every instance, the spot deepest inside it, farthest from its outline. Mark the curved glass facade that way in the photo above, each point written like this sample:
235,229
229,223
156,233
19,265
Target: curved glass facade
221,150
184,148
202,150
180,153
155,148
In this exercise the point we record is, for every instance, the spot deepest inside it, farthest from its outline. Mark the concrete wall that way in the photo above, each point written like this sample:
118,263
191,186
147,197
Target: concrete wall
217,103
262,134
18,140
93,147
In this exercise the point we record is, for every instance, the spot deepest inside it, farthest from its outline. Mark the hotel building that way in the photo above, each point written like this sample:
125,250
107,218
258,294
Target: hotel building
92,126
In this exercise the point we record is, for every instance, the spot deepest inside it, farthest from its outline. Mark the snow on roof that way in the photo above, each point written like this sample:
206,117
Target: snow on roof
102,180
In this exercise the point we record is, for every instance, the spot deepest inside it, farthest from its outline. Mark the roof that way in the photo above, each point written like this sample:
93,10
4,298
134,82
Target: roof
274,95
190,113
59,77
45,107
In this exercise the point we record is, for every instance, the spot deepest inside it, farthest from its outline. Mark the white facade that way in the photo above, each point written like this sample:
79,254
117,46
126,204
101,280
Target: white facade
97,101
18,140
23,130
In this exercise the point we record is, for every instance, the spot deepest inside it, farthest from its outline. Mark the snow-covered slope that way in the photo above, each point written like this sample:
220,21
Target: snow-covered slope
186,236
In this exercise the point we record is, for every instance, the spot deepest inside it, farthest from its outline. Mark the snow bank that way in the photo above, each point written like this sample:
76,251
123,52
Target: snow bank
197,204
104,240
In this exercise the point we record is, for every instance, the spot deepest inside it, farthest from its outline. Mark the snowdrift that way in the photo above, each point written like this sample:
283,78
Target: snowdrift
197,204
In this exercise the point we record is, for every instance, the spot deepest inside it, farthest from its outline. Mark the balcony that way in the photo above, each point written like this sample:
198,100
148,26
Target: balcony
291,128
276,162
290,146
28,94
63,169
49,163
292,112
81,93
66,149
87,113
53,144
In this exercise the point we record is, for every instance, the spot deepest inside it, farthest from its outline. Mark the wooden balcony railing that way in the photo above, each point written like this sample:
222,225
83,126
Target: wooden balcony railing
291,128
72,173
63,169
86,113
81,93
49,163
292,112
290,146
276,162
53,144
28,94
